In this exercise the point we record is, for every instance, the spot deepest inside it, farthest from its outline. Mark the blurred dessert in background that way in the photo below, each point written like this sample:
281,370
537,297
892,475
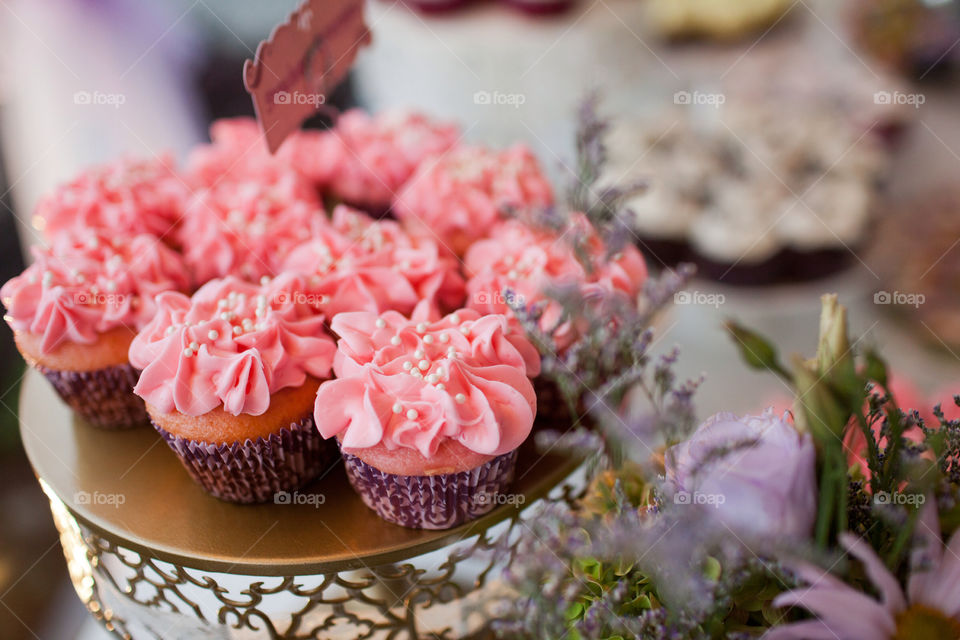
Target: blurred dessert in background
751,193
718,19
920,247
914,36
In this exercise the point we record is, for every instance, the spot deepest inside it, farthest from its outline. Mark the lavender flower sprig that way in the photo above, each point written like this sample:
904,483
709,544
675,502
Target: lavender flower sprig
604,205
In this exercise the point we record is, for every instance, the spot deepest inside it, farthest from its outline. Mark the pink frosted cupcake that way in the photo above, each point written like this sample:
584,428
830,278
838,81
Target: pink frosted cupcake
428,415
238,152
379,154
521,261
461,196
525,260
128,197
247,228
74,313
361,264
229,379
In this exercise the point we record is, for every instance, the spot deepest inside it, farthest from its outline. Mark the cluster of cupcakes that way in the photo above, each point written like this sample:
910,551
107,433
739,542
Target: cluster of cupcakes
259,334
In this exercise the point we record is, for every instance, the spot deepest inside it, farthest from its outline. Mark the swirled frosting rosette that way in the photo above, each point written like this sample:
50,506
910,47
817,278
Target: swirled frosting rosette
237,152
229,379
232,344
75,310
460,196
361,264
246,229
129,197
522,262
380,152
445,402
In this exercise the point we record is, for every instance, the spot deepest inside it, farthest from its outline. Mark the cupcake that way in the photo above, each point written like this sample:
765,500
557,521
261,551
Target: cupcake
229,377
461,196
75,311
428,415
518,264
128,197
247,228
521,262
362,264
378,154
238,152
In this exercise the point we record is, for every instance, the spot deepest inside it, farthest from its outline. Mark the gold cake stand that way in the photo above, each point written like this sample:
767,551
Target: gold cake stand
152,555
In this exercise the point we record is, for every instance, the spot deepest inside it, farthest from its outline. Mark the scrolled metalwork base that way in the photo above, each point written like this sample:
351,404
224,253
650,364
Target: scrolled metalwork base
443,594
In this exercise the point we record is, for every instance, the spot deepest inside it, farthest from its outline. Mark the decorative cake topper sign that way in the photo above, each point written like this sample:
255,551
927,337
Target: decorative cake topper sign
301,64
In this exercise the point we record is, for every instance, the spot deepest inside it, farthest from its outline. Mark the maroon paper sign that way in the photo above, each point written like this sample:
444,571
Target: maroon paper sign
301,64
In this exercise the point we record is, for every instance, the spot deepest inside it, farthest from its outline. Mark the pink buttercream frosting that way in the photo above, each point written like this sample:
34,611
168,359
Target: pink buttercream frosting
461,196
238,152
379,153
361,264
413,383
525,260
129,197
233,344
86,285
247,228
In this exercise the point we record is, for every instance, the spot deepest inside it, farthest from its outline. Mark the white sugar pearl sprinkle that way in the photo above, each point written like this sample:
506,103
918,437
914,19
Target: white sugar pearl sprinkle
460,398
407,365
237,331
412,414
195,345
440,386
170,330
424,365
213,334
428,339
397,408
444,338
455,318
433,378
381,323
419,353
395,341
465,330
188,352
265,280
421,327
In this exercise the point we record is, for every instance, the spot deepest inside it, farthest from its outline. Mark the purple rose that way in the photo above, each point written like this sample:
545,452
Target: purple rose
756,473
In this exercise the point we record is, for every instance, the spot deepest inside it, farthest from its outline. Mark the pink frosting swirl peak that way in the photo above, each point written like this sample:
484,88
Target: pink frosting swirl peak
238,152
246,229
81,287
379,153
233,344
362,264
525,260
460,196
129,197
412,383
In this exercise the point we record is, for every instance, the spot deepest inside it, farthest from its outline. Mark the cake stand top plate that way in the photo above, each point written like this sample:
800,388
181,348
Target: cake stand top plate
130,487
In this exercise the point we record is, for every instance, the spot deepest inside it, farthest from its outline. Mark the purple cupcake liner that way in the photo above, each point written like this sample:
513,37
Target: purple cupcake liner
255,470
431,502
104,397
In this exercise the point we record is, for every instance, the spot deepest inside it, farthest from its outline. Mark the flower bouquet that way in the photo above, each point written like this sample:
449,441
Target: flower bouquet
836,519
